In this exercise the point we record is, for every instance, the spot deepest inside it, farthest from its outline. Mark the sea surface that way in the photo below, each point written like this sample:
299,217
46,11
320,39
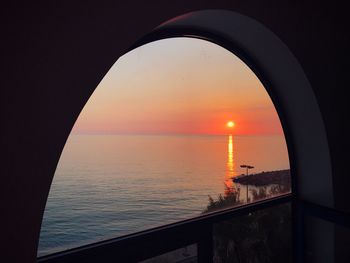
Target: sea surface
112,185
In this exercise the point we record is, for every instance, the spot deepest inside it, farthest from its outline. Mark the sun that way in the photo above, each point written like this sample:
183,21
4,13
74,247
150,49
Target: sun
230,124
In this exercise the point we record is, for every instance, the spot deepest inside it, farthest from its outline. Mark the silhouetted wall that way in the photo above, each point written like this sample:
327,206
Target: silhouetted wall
54,55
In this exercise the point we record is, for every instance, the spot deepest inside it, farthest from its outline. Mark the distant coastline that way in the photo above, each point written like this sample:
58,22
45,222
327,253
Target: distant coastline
281,177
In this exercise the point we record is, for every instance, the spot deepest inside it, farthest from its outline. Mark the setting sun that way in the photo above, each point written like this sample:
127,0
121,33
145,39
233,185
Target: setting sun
230,124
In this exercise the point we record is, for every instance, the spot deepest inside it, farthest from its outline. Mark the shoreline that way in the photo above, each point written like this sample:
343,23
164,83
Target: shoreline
281,177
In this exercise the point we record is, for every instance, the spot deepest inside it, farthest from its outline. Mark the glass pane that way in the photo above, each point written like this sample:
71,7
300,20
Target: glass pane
166,136
325,241
261,236
182,255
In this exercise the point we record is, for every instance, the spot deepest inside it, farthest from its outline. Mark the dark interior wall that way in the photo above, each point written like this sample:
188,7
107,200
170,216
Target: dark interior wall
54,55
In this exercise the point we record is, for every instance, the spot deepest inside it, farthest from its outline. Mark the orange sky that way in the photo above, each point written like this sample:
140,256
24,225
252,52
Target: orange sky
179,86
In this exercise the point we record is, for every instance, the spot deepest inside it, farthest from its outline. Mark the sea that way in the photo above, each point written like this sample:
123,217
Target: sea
108,186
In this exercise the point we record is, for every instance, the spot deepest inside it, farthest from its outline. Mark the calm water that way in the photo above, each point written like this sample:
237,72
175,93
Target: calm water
111,185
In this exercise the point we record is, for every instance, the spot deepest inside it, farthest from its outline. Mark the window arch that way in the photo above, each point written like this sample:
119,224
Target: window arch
282,76
172,122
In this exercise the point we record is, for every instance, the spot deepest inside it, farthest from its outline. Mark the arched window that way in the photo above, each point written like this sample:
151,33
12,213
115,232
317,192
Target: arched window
181,135
177,128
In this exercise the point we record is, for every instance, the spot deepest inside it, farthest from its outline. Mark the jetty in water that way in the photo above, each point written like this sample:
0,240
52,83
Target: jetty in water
281,177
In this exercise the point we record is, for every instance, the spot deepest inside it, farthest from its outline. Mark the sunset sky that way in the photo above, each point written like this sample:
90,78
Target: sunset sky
179,86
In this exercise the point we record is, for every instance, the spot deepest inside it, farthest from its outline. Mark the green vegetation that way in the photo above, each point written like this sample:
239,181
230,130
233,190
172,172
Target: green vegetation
262,236
229,199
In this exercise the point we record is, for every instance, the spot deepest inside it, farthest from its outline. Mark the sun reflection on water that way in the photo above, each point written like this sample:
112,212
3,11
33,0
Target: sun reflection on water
230,163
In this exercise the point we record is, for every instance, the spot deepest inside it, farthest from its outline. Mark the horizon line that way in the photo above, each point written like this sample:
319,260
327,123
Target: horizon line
176,134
